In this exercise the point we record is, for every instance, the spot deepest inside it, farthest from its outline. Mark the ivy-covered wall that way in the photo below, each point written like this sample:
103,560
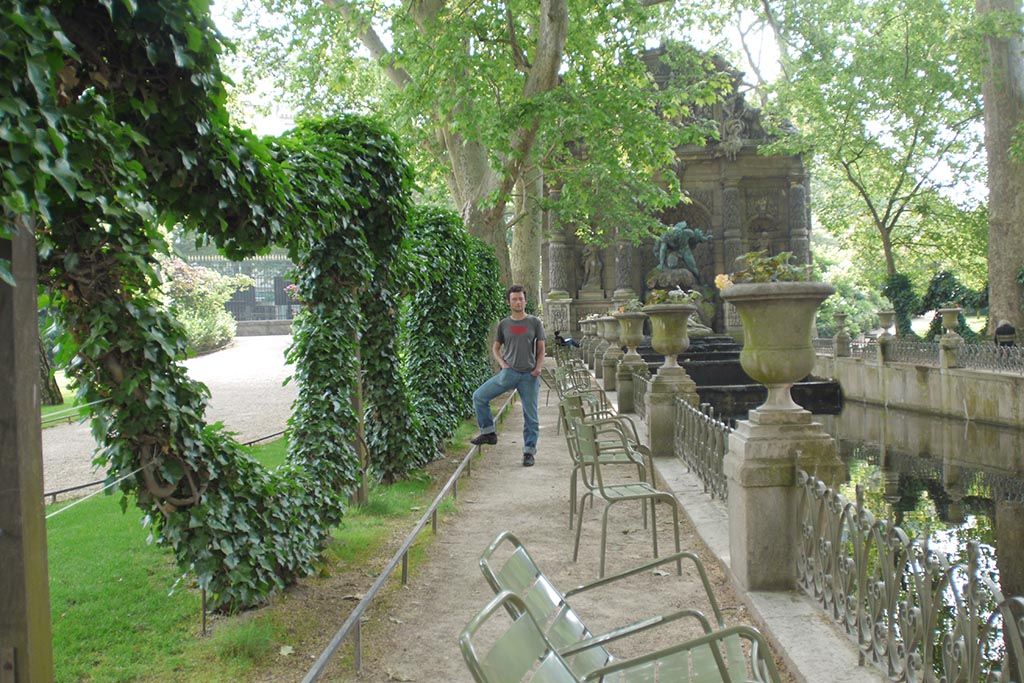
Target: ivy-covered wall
113,127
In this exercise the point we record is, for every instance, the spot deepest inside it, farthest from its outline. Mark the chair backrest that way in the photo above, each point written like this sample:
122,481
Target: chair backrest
520,576
516,651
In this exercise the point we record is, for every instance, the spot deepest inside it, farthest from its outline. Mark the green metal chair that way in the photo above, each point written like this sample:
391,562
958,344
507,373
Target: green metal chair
523,652
570,412
520,574
591,450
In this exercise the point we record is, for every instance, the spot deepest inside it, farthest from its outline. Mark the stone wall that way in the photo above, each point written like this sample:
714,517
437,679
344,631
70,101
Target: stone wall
260,328
956,392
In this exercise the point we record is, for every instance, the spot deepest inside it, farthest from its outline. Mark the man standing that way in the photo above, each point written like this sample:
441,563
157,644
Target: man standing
519,349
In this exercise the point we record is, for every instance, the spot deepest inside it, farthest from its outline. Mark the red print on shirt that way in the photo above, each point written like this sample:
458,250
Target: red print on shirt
518,329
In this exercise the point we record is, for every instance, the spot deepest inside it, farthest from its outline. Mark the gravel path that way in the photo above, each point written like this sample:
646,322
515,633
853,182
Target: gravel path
410,634
246,394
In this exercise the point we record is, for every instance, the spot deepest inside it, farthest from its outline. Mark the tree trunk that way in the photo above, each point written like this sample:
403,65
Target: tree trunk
890,260
527,237
49,390
472,182
1003,93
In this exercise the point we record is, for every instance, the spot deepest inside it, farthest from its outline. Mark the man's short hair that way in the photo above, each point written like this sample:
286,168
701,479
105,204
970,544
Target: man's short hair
515,288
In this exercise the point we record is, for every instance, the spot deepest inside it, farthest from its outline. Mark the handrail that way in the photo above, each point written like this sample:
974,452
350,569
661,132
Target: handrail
354,618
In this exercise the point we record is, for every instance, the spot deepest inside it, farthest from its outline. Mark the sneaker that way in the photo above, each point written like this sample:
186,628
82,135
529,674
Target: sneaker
481,439
527,459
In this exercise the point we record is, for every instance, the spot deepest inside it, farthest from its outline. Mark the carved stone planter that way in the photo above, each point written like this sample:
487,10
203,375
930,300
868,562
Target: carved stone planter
776,438
631,333
886,320
668,330
601,346
613,353
668,337
778,318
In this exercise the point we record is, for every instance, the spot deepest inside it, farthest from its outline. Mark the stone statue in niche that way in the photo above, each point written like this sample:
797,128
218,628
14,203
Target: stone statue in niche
592,267
677,266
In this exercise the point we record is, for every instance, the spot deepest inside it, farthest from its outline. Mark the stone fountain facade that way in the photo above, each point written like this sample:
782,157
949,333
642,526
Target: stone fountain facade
745,201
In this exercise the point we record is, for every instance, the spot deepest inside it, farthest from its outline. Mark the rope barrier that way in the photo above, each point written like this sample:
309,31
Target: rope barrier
94,493
53,494
69,413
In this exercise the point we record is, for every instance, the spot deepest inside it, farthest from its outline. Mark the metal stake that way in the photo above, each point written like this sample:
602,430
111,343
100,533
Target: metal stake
405,568
359,645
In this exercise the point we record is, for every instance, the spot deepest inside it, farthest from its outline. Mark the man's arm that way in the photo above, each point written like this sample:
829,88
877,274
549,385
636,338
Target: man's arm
496,353
540,358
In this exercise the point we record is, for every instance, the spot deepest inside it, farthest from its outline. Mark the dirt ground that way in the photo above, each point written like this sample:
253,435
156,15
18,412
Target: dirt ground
411,633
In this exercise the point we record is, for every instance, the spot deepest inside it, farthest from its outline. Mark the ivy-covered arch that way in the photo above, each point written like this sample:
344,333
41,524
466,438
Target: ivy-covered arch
113,121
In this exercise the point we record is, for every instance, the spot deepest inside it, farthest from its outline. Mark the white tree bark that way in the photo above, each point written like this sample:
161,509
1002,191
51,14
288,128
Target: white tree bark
528,234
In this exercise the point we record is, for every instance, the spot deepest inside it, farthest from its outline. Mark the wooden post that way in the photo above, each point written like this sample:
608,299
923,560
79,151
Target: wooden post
25,640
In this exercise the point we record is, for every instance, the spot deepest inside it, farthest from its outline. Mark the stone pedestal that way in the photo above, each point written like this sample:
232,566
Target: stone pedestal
886,343
841,346
764,452
624,380
597,357
610,364
670,383
556,310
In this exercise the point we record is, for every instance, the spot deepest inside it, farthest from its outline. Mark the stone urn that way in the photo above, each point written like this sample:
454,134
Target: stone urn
886,320
631,330
668,337
612,355
610,330
668,330
601,325
778,320
950,318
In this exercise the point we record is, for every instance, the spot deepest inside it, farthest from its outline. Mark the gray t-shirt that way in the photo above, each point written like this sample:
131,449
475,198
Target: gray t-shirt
518,339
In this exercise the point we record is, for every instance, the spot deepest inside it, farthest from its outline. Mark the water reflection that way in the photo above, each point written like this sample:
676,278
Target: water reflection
948,480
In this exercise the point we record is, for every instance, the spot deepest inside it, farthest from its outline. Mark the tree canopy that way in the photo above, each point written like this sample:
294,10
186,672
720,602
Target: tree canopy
886,96
499,94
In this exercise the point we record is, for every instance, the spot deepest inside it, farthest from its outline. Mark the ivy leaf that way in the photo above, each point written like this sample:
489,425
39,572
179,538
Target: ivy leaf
5,272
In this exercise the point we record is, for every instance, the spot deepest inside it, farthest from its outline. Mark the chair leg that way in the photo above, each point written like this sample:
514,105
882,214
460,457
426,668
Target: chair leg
572,496
579,527
643,501
604,536
654,526
675,527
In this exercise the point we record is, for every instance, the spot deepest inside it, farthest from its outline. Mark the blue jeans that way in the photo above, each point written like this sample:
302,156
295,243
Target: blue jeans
528,387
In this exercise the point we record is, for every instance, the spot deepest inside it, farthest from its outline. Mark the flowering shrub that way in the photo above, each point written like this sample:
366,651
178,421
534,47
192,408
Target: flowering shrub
758,266
675,296
196,298
631,306
292,292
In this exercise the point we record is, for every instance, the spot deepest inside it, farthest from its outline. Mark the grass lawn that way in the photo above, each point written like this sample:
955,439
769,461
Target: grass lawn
920,324
120,612
70,400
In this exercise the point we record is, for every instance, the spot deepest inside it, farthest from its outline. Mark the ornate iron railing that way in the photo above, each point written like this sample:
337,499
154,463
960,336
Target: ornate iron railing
641,382
824,345
916,352
988,356
914,612
867,348
701,441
